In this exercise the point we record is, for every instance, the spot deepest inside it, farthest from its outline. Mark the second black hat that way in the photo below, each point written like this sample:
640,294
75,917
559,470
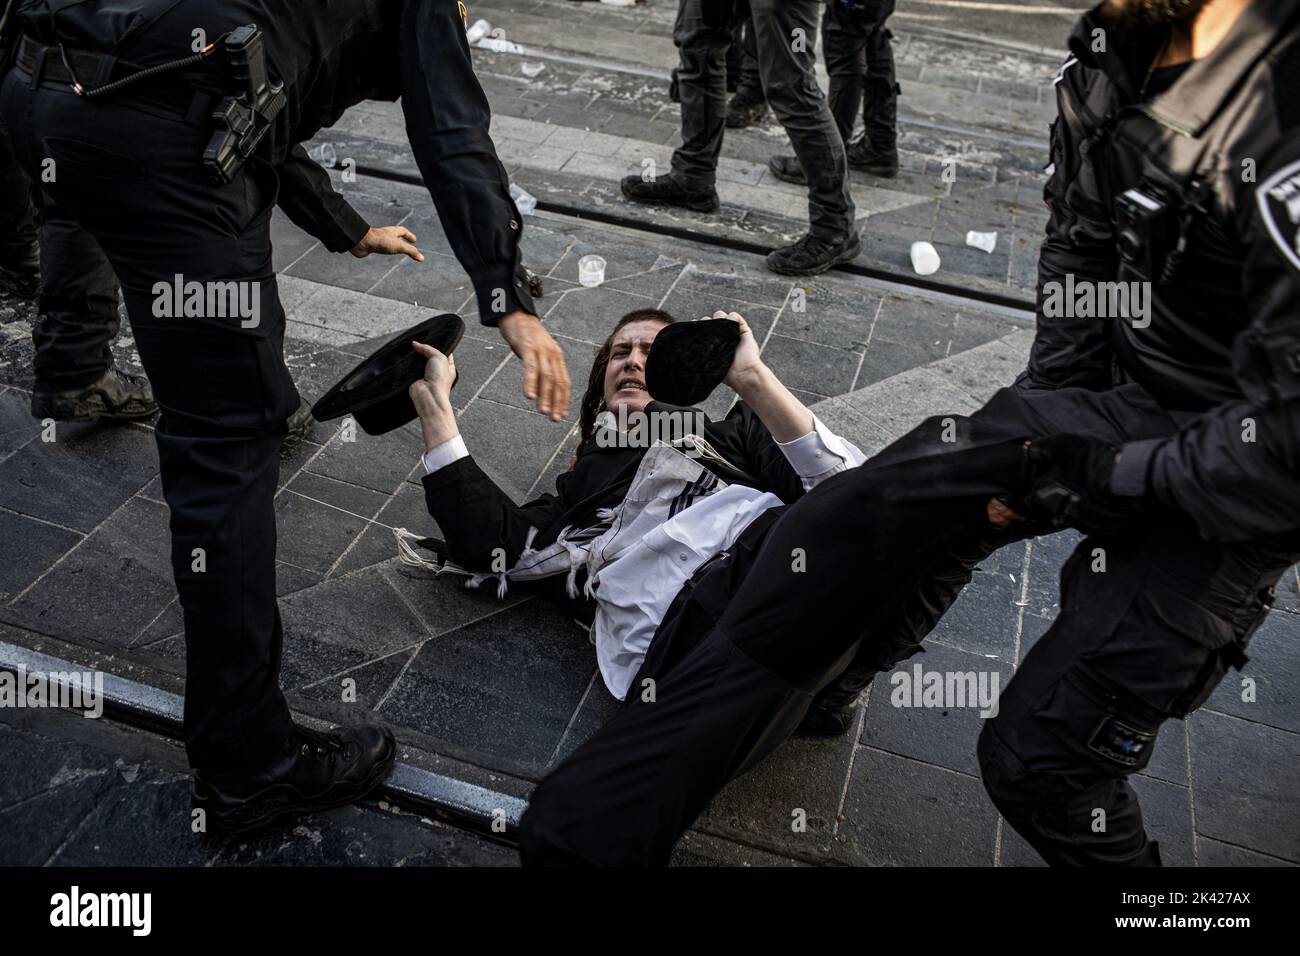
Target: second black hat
375,392
688,360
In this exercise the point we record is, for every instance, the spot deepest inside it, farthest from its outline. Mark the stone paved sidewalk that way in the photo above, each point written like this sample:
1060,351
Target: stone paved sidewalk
496,692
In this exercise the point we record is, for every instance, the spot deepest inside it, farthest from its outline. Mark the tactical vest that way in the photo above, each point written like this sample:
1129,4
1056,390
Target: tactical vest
1171,193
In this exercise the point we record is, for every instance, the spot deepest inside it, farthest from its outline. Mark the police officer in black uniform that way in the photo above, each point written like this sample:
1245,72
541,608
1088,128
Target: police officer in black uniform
174,127
1169,432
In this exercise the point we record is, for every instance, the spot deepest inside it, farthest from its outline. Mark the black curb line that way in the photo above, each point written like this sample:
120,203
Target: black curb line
148,708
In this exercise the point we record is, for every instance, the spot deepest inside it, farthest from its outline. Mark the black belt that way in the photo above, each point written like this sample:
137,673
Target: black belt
169,91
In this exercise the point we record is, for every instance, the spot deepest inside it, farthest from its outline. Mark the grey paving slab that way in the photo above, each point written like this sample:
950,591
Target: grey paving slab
1216,853
1265,689
376,544
898,720
502,689
512,445
342,623
984,620
1244,780
507,385
804,365
31,547
899,812
791,803
17,427
49,480
703,849
377,462
108,589
360,688
317,518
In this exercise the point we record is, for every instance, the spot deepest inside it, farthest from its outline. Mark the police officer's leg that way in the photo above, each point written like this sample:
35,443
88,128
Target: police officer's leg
785,32
702,86
78,307
133,180
1149,622
844,45
880,104
18,250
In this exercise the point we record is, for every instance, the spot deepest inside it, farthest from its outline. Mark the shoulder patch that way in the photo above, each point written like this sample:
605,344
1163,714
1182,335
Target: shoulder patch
1279,207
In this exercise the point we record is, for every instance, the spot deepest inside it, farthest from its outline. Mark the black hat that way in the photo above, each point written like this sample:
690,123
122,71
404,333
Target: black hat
688,360
375,392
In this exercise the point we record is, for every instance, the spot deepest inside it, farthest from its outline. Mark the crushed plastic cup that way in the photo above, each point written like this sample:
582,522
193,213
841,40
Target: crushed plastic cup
325,155
477,31
525,201
925,259
591,271
530,70
982,240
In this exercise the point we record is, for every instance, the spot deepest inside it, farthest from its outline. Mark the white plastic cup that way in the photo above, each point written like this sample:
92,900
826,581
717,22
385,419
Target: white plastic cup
525,201
477,31
531,70
982,240
325,155
925,259
591,271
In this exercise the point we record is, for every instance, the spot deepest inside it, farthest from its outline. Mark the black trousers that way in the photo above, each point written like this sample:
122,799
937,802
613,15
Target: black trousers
887,547
860,64
17,214
785,38
77,307
130,179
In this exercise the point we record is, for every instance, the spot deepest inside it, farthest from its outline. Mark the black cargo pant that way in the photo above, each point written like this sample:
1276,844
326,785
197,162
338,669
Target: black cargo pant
77,308
886,547
129,175
860,64
785,37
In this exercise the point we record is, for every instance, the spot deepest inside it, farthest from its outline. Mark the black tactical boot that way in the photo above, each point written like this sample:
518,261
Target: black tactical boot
745,111
787,169
22,278
300,424
115,394
834,707
667,191
878,162
314,771
812,256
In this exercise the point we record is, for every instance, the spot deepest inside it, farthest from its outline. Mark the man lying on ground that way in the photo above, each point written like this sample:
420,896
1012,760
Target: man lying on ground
633,523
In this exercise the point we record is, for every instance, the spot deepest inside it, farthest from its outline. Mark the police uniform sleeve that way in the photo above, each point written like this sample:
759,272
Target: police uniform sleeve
310,200
1234,470
447,117
1079,241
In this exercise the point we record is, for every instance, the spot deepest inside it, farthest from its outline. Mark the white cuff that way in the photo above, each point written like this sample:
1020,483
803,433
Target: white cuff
440,456
820,454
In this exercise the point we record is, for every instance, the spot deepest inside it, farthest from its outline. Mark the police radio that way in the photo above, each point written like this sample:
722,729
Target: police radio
243,119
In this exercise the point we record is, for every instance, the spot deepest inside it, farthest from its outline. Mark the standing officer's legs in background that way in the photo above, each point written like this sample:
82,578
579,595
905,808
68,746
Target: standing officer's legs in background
75,378
19,257
129,173
785,32
749,106
860,63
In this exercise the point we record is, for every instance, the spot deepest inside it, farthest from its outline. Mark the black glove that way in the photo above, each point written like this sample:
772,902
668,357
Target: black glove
1069,485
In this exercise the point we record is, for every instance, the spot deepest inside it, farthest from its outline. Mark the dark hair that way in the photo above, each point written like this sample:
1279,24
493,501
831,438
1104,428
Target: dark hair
593,400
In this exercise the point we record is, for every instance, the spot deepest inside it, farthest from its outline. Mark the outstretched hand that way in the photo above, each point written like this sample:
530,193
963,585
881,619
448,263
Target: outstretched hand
388,241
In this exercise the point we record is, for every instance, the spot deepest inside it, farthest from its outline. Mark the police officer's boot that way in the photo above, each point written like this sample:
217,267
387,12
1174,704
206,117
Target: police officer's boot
21,276
746,109
812,255
313,771
668,191
835,706
876,151
115,394
787,169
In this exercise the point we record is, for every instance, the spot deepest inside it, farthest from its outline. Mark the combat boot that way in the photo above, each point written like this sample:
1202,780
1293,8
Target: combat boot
115,394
